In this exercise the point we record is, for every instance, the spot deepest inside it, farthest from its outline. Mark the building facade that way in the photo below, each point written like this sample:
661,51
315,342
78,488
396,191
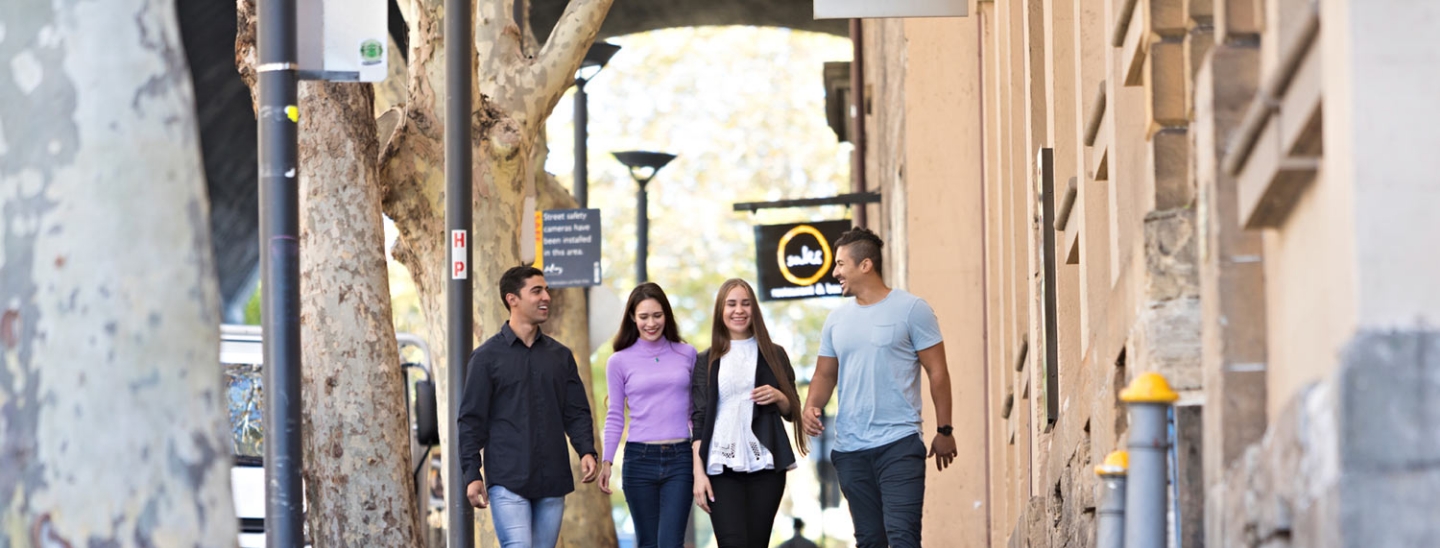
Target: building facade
1233,193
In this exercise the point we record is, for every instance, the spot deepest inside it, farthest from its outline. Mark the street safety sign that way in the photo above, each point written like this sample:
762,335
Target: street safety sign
567,246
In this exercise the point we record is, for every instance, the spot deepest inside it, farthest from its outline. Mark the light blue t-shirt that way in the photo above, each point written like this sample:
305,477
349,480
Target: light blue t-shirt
879,384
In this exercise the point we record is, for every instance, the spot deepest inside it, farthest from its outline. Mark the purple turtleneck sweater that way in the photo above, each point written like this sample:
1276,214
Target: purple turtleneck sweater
654,379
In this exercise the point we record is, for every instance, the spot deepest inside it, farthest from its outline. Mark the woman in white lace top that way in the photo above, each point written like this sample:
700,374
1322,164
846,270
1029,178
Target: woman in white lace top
742,390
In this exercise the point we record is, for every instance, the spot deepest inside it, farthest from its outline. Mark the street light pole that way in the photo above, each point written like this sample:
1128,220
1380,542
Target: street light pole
280,269
642,236
643,167
459,292
595,59
582,148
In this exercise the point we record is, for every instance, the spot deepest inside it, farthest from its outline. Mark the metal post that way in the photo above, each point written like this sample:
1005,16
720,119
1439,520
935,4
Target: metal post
1110,514
280,271
1149,398
459,56
642,237
582,148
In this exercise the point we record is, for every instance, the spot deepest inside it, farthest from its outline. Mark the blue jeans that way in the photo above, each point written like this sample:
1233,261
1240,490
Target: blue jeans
657,480
886,489
525,523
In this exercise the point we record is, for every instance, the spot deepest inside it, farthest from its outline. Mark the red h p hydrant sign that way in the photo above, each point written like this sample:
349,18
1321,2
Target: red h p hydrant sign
459,257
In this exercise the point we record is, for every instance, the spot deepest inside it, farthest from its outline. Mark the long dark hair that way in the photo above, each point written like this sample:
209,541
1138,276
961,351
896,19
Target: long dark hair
720,345
629,332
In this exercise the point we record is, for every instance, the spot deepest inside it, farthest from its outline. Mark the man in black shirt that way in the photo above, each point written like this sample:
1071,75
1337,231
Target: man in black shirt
523,395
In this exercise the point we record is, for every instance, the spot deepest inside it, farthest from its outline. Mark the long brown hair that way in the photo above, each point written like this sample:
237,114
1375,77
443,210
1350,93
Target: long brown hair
720,345
629,332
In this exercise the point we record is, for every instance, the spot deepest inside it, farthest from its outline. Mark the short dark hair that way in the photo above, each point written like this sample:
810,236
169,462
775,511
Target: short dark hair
513,280
863,244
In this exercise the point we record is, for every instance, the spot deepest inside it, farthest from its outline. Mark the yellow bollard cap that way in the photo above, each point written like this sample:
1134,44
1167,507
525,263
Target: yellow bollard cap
1149,388
1116,464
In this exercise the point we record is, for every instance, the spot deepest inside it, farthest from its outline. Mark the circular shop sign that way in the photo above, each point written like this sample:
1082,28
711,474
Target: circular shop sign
824,248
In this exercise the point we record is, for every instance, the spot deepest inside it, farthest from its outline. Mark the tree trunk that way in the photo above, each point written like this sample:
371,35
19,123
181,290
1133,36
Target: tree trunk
112,422
358,487
356,434
521,87
588,523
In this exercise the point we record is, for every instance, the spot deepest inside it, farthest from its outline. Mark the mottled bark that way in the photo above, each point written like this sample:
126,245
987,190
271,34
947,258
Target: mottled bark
356,450
356,435
112,422
588,523
520,87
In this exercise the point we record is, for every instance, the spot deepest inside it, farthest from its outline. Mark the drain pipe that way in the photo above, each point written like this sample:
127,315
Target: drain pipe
857,118
1149,398
1110,516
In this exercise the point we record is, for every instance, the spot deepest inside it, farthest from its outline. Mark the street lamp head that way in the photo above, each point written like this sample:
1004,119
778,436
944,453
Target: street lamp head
643,164
595,59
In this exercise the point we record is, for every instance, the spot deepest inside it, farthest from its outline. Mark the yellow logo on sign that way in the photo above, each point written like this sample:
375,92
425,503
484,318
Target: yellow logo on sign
783,261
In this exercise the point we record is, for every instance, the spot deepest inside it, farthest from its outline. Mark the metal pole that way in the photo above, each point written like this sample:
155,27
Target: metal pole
1149,398
459,295
642,237
280,271
582,148
1110,515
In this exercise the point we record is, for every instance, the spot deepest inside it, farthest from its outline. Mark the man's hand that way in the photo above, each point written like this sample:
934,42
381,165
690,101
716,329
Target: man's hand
811,420
943,449
477,495
605,478
587,468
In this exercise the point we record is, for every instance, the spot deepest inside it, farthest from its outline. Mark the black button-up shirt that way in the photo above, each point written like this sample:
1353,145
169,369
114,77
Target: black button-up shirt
519,404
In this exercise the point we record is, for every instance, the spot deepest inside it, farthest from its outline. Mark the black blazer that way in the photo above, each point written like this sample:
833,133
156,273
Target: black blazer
704,398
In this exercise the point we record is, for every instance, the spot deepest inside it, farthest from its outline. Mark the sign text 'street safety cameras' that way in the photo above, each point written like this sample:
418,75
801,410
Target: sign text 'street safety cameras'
567,246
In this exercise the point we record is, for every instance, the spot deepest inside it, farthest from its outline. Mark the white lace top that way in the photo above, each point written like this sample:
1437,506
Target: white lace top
733,443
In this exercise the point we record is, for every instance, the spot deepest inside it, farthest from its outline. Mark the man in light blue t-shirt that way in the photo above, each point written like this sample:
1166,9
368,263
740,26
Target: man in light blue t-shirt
875,347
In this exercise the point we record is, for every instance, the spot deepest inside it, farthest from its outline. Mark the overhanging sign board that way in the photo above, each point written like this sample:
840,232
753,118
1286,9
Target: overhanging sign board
796,261
866,9
343,40
568,246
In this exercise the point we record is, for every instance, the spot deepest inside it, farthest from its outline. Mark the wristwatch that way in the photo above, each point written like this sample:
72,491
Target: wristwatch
945,430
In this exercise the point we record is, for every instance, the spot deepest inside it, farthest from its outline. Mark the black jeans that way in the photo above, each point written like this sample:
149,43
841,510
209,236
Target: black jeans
743,512
657,483
886,489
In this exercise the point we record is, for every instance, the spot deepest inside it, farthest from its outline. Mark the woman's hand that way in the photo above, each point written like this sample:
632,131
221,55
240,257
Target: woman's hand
703,495
605,478
766,395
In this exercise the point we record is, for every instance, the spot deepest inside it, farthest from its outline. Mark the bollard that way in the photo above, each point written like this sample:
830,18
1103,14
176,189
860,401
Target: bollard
1110,522
1149,398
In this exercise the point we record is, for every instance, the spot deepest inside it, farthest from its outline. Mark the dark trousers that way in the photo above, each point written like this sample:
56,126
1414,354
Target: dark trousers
658,480
743,512
886,489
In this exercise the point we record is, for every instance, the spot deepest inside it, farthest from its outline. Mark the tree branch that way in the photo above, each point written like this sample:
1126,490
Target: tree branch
561,55
498,42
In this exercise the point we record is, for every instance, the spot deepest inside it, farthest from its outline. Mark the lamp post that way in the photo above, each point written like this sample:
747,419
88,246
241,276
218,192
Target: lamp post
280,270
643,167
459,291
595,59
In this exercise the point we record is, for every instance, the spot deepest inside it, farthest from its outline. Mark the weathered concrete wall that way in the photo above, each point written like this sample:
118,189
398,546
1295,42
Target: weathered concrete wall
942,149
885,115
1241,223
1350,461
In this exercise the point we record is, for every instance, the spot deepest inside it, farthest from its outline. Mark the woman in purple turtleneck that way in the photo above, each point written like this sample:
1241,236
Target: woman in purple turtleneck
650,374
